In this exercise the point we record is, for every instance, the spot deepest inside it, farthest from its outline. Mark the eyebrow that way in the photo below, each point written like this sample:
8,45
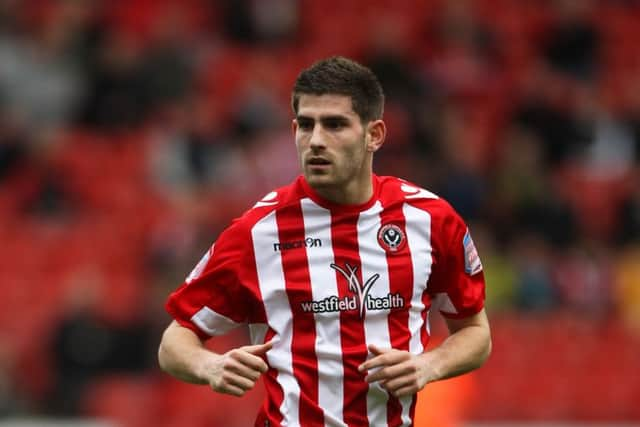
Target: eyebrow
332,117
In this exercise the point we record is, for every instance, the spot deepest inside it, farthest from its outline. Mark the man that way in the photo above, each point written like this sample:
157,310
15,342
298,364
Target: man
335,275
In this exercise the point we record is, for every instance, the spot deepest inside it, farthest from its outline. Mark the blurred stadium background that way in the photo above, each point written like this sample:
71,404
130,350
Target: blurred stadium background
132,131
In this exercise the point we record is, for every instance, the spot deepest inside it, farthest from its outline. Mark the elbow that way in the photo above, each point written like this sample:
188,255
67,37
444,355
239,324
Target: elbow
486,351
162,358
164,355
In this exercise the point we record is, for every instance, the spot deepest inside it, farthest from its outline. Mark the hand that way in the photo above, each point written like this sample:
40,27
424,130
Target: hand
237,371
401,373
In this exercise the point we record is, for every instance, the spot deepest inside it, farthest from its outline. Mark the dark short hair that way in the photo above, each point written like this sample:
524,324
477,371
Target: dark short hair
342,76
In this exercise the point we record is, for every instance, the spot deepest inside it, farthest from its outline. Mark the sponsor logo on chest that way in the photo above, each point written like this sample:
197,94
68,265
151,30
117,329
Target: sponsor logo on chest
360,299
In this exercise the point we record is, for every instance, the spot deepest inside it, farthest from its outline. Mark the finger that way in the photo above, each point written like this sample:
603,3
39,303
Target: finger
226,385
232,390
390,357
378,350
239,368
405,391
258,349
242,383
374,362
397,383
249,360
388,373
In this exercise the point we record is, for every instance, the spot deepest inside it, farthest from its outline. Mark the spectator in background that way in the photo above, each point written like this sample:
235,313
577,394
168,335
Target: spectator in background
609,151
13,145
257,107
167,67
534,287
584,278
131,77
499,269
543,108
388,57
267,22
524,198
116,97
629,218
462,182
192,148
86,345
573,43
462,61
41,80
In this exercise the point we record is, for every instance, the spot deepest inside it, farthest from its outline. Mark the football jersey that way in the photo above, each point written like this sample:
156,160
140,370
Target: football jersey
323,281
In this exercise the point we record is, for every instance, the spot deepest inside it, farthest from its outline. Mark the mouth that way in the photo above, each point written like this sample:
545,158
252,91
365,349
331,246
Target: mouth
318,163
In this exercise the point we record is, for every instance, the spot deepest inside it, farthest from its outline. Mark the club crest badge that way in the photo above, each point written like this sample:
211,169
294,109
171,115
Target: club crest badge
391,238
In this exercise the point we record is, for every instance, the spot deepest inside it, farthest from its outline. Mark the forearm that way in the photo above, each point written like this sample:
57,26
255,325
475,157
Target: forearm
183,355
463,351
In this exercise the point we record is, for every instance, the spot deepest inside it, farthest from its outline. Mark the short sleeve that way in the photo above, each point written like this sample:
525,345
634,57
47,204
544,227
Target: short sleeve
210,301
457,284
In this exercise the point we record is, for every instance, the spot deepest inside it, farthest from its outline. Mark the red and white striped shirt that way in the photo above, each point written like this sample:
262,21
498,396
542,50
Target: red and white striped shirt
323,281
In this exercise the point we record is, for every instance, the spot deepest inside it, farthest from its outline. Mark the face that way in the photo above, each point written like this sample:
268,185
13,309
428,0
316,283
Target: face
334,147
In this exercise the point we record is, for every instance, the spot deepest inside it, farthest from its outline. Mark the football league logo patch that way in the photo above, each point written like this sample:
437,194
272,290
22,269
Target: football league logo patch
472,263
391,238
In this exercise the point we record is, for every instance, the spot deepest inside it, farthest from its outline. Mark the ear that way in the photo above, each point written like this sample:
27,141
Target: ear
294,126
376,133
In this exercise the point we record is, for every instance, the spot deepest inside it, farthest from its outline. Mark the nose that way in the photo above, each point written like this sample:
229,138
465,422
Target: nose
317,140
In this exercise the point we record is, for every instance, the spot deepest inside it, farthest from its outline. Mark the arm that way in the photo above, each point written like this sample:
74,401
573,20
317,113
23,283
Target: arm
467,347
183,355
403,373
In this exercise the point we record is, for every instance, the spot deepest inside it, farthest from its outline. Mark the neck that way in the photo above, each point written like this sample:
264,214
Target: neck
354,193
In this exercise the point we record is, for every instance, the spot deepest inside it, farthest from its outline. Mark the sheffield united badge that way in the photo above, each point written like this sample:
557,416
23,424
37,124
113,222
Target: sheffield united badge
391,238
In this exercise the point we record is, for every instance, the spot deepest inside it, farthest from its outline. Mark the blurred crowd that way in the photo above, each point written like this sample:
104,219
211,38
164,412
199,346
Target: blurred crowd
132,132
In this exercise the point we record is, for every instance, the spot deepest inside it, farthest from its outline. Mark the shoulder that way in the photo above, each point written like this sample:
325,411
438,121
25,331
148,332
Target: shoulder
392,188
267,205
398,189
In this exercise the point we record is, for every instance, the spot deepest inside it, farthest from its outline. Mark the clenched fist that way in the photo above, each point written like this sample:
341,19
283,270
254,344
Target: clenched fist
236,371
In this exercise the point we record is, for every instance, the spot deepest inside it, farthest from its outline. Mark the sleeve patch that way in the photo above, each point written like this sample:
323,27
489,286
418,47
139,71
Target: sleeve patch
472,263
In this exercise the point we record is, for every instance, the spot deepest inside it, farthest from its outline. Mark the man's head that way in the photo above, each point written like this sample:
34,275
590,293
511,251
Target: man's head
338,126
342,76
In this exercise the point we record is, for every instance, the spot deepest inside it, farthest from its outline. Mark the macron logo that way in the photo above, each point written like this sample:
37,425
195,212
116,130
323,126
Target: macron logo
309,242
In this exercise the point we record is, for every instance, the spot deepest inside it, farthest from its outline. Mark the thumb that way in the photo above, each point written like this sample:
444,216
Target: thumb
258,349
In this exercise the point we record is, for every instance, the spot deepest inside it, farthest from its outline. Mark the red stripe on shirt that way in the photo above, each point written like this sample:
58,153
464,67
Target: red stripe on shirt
295,266
400,282
344,237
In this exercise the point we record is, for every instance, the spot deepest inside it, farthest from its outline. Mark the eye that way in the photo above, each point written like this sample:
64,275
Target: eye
334,124
305,124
